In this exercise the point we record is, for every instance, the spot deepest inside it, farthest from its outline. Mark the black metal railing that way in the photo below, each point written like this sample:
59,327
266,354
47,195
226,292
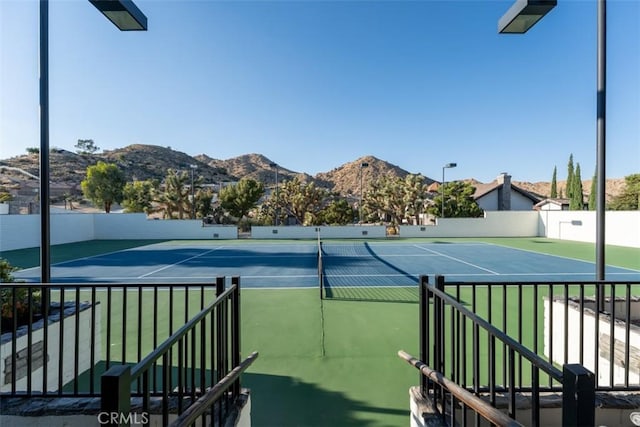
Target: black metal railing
186,366
560,321
87,329
464,346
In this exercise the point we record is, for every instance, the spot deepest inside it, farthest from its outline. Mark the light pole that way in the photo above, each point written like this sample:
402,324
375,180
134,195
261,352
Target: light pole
527,13
193,195
275,210
447,166
127,17
362,166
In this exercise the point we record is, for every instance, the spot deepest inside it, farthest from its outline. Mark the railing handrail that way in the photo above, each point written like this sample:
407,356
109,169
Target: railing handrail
166,345
532,357
200,406
491,414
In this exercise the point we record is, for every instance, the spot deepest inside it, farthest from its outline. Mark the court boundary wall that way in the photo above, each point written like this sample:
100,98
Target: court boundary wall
23,231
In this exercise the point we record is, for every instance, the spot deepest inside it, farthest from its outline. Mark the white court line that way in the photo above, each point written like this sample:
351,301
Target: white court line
457,259
178,263
561,256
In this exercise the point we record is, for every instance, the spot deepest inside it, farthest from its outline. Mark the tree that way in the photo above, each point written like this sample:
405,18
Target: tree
569,187
104,185
594,192
576,200
86,146
302,201
554,183
33,150
203,203
337,212
458,201
175,197
629,199
138,196
240,198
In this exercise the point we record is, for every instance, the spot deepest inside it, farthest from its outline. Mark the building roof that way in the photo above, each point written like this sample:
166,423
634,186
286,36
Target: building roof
554,201
484,189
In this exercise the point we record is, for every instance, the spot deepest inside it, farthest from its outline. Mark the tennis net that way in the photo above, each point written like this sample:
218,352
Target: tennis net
354,272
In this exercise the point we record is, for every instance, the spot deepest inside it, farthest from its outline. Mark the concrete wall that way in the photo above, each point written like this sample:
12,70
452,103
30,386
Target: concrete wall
493,224
555,340
137,226
53,354
23,231
326,232
622,228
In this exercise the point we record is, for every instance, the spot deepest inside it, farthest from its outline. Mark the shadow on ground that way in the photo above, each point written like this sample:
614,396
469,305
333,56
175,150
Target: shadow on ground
278,401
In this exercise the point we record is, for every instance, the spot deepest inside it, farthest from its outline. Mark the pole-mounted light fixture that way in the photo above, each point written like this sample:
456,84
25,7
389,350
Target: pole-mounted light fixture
447,166
362,165
518,19
123,13
127,17
523,15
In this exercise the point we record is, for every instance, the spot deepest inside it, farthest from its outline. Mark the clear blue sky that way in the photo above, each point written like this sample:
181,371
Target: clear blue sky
316,84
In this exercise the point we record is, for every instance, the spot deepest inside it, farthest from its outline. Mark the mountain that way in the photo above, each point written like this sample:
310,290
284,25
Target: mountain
140,162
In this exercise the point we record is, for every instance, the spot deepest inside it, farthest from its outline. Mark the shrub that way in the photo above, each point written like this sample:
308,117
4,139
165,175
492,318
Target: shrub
23,297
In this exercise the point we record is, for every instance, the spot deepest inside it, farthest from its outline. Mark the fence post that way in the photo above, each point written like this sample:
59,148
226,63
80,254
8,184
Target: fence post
578,396
115,396
235,333
423,329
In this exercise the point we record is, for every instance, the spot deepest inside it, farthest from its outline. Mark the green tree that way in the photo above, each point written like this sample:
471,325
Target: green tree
33,150
629,199
104,185
385,200
554,183
337,212
138,196
415,197
576,200
175,197
86,146
303,201
458,201
570,171
240,198
203,203
594,192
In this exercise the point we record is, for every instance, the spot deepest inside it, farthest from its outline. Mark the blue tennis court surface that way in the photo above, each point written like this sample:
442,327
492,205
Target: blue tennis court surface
287,265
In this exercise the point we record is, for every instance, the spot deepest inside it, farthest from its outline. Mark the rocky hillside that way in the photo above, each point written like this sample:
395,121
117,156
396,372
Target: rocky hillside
140,162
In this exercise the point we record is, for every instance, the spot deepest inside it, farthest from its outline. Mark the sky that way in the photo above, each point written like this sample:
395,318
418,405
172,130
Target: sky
313,85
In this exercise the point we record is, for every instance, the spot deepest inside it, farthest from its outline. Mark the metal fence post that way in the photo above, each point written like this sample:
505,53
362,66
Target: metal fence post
423,330
235,339
578,396
115,396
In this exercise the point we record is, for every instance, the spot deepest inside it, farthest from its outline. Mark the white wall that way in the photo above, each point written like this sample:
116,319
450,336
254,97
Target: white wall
493,224
53,355
589,340
326,232
23,231
137,226
622,228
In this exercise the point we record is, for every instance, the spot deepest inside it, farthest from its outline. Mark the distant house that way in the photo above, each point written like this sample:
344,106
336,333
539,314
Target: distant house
502,195
554,204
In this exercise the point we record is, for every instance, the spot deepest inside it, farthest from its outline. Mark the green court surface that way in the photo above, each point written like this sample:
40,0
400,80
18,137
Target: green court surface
331,367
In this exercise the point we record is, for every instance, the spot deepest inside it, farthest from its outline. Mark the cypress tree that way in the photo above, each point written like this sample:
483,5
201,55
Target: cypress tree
554,183
593,193
576,202
569,187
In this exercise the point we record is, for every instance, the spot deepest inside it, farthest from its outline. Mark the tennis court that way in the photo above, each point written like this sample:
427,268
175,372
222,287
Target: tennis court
334,362
294,264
